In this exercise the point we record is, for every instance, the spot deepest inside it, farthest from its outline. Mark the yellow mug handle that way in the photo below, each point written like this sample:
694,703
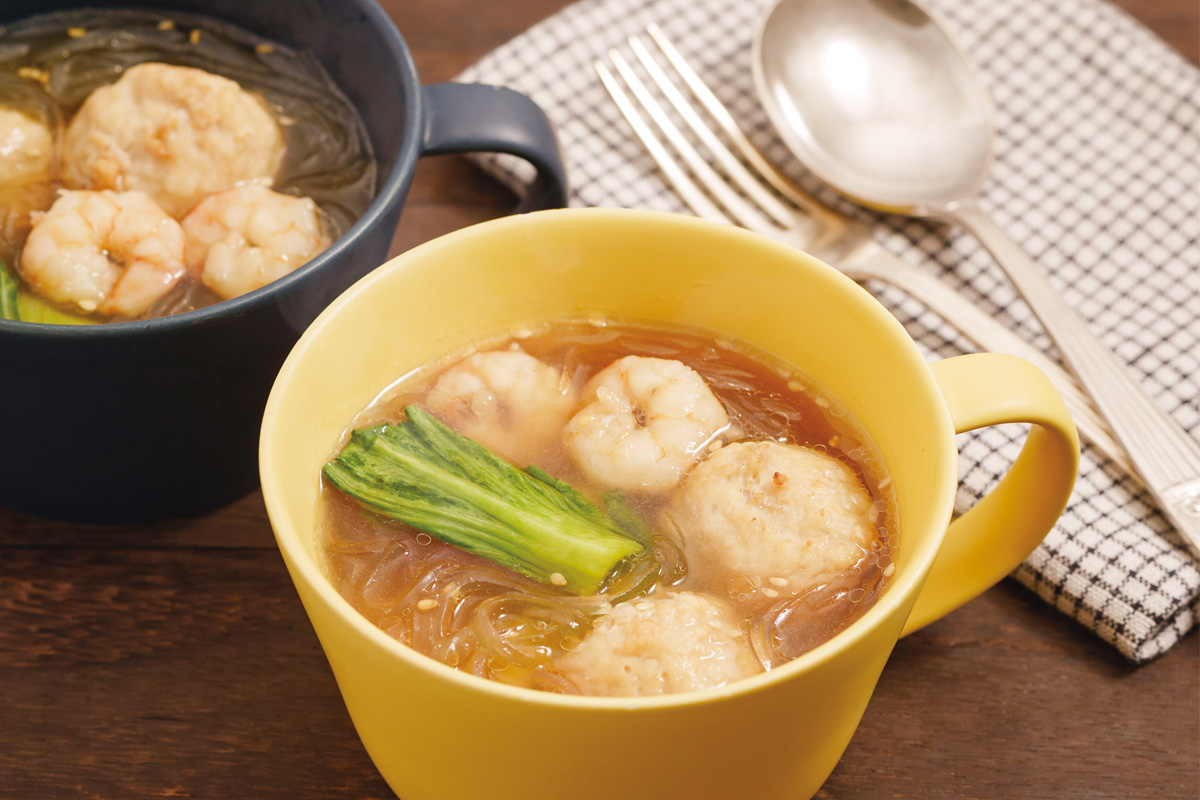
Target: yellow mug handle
1000,531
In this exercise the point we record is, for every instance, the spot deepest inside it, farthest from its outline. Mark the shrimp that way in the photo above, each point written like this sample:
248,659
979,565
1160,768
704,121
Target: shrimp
177,133
107,252
660,645
786,517
644,422
507,400
243,238
26,149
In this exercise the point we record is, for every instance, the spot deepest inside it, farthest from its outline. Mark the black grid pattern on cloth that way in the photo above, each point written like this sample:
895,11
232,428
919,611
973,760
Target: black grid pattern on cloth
1096,174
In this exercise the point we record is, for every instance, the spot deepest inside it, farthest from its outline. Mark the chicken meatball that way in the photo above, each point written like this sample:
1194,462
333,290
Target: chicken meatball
677,643
26,149
176,133
26,158
778,514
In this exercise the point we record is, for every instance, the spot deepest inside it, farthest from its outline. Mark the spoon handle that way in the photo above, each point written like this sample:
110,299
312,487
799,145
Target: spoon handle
869,261
1167,458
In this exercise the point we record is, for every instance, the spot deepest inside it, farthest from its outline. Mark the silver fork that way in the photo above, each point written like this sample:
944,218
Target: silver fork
802,221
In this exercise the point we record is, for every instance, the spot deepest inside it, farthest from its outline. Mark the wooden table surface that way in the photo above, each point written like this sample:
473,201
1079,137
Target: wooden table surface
174,660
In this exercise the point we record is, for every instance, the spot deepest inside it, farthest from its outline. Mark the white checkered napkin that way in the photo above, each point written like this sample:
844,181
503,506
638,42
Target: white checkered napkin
1097,175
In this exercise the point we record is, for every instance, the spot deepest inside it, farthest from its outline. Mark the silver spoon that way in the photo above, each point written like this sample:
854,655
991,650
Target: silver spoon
877,101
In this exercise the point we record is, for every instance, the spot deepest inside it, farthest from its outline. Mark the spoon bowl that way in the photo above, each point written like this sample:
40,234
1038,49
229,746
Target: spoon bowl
877,100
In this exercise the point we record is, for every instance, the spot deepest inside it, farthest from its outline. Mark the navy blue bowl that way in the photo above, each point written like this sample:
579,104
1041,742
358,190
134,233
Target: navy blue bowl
148,420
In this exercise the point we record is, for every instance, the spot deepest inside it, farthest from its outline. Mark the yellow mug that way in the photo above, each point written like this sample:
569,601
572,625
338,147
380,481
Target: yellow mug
438,734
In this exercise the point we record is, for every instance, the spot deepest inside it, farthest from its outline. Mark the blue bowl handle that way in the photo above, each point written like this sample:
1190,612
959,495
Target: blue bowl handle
474,117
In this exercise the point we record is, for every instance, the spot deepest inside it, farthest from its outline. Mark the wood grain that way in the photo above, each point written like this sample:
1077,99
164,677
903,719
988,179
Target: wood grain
174,660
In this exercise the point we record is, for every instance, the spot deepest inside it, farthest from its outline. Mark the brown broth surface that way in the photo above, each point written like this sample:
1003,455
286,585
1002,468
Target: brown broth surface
479,617
50,63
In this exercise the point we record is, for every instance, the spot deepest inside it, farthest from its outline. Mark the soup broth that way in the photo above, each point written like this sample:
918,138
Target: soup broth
474,615
51,63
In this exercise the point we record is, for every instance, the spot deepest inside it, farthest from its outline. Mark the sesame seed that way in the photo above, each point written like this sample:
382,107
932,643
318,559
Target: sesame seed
427,604
76,33
194,36
769,592
888,570
779,582
166,24
264,48
558,579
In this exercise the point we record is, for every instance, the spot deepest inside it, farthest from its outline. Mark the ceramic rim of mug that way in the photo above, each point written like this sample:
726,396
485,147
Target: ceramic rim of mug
388,195
905,582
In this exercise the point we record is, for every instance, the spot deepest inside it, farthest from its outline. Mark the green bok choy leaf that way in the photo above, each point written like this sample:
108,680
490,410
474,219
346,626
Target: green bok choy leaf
428,476
8,294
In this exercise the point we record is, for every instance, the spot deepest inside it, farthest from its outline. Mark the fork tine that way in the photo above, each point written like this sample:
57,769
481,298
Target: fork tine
741,211
733,168
692,195
729,125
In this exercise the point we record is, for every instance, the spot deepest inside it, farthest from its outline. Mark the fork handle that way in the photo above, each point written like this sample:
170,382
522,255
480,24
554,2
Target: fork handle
870,261
1165,456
